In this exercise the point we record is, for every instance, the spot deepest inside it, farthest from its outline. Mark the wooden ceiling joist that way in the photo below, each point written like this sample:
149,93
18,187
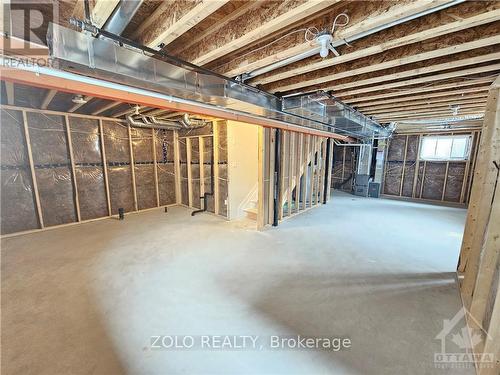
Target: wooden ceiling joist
105,108
475,92
439,109
410,92
418,56
443,115
419,71
172,19
249,28
416,81
397,108
48,98
307,66
253,62
9,89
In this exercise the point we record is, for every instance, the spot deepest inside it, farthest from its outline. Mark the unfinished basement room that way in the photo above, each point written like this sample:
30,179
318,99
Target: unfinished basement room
250,187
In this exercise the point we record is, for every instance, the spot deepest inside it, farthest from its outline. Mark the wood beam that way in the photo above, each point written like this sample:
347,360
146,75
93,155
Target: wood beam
102,10
418,56
418,71
483,187
307,66
172,19
422,116
48,98
440,97
275,17
9,88
106,107
416,81
409,92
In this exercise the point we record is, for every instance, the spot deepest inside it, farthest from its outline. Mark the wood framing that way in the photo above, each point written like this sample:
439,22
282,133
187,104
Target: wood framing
189,172
9,90
32,169
48,98
215,145
155,167
73,170
177,169
105,167
132,166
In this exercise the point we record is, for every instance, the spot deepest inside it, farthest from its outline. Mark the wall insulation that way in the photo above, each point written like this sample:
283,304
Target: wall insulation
84,168
344,167
407,176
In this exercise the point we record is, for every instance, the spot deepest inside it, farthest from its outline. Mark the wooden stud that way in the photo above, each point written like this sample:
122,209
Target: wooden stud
32,169
216,167
307,174
323,170
189,171
417,166
403,169
132,166
313,170
466,171
261,221
270,152
291,180
298,171
106,108
177,169
284,140
155,165
330,170
73,169
9,89
445,180
422,182
105,167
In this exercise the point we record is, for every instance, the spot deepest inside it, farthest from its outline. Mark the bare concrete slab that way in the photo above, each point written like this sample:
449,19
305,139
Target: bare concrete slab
88,299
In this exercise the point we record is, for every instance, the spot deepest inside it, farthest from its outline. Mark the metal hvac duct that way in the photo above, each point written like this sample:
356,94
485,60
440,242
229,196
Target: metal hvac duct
107,60
121,16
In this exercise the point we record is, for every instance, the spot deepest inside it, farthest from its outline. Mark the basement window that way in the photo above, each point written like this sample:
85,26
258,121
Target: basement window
445,148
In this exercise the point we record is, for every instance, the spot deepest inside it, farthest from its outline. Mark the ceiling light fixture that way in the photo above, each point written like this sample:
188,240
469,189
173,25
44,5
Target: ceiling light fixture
79,99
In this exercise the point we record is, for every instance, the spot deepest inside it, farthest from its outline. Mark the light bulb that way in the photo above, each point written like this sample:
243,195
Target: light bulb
323,52
324,40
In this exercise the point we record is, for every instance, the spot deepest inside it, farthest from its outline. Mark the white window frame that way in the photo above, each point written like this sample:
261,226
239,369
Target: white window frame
468,146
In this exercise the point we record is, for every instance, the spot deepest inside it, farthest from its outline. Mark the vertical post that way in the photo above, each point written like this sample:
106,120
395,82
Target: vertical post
105,167
157,190
307,174
423,179
177,169
215,145
403,169
271,154
324,161
73,169
32,169
189,172
201,150
277,176
261,155
284,139
328,167
466,171
291,158
343,164
445,180
417,166
330,170
300,141
132,165
313,172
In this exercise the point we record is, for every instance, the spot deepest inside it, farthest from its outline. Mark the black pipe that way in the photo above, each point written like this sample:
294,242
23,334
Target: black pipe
327,169
277,182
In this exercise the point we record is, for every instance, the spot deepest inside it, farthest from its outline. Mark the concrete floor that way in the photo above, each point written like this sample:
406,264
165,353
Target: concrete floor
86,299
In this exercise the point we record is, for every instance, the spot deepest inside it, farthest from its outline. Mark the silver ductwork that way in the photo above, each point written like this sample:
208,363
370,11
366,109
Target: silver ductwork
121,16
183,122
104,59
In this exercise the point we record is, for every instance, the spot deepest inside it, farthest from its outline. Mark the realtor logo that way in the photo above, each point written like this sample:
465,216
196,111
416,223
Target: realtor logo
458,343
27,20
